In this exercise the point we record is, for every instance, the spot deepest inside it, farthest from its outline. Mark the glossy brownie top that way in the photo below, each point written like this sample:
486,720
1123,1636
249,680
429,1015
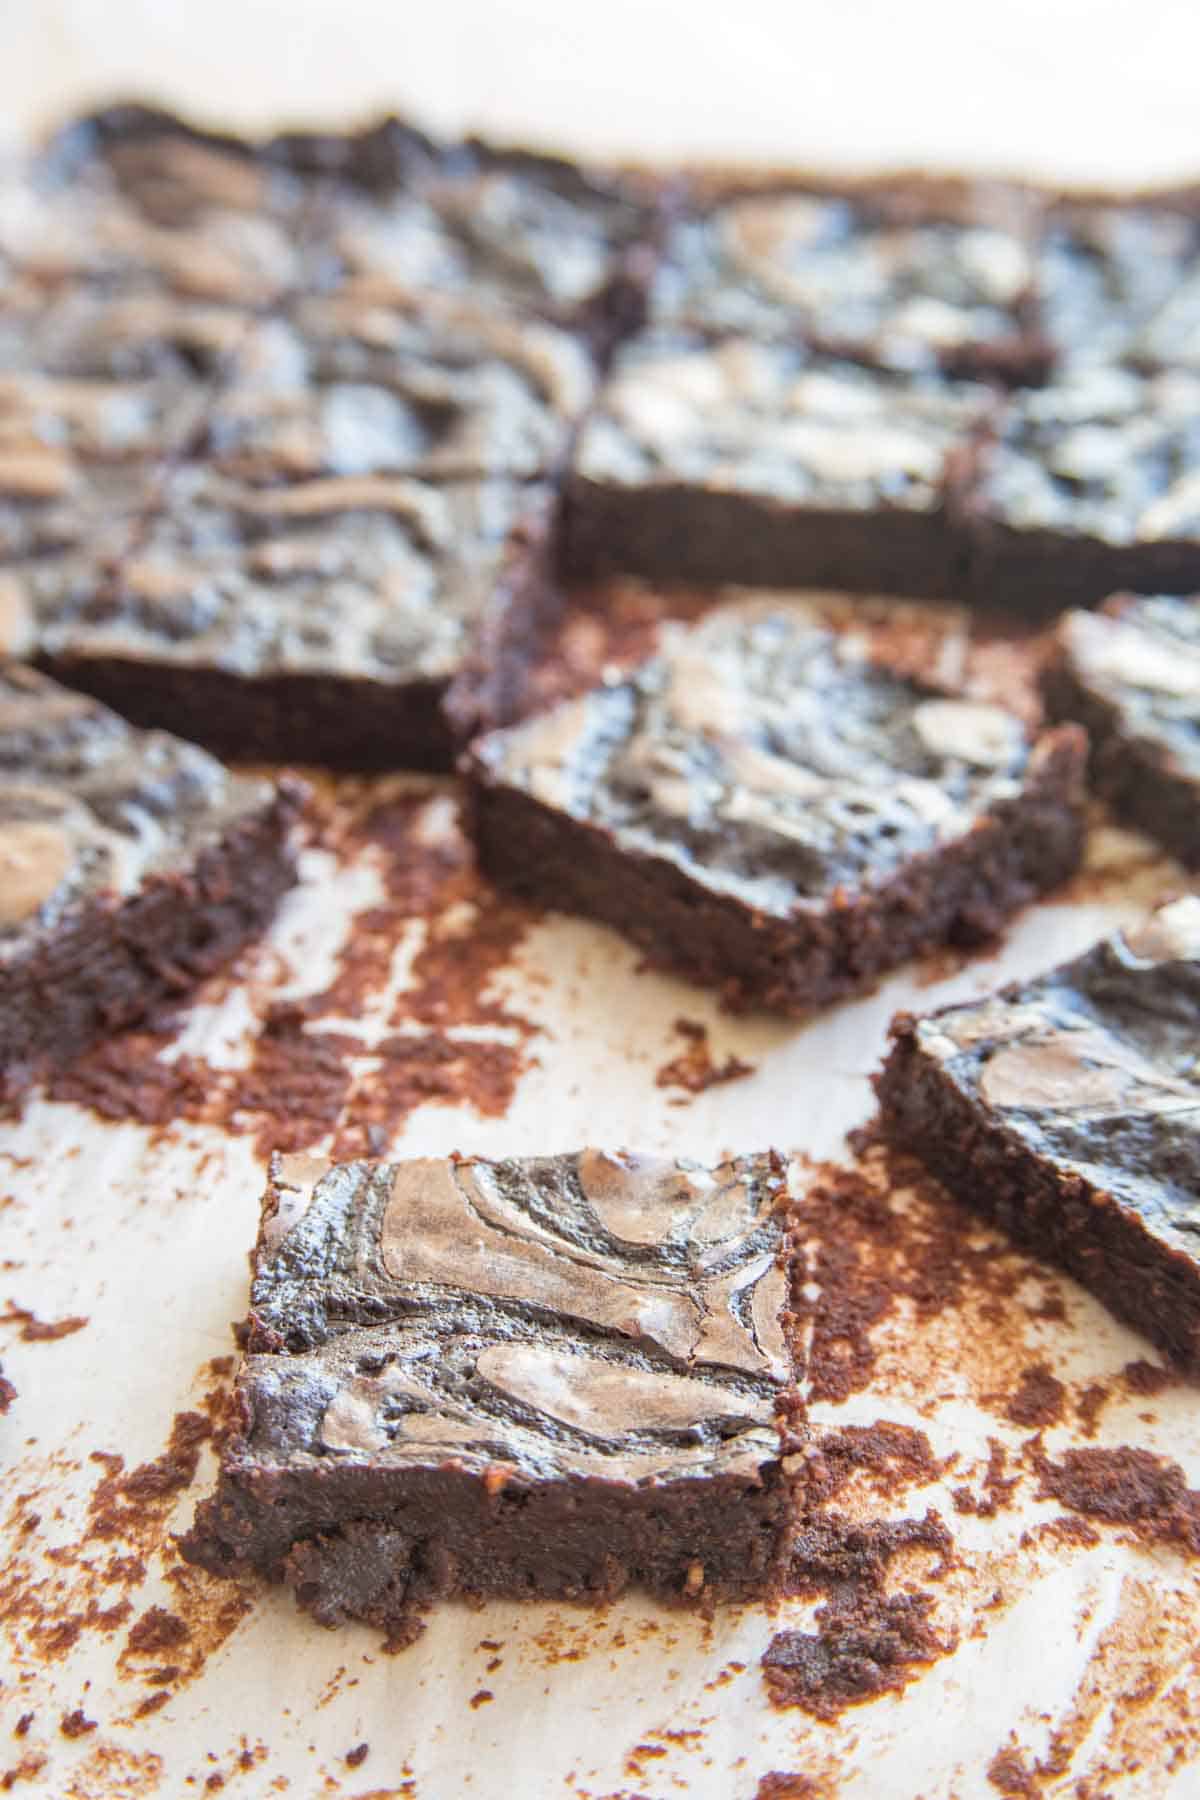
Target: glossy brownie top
89,807
1094,1066
598,1314
769,757
376,576
1141,656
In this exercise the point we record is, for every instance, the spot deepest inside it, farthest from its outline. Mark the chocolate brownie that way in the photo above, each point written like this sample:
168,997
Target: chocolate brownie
1131,674
762,462
765,808
548,1378
318,621
131,865
377,382
1089,486
888,275
1068,1110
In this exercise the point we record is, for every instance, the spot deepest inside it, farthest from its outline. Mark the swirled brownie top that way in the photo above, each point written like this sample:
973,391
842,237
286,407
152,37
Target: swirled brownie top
370,575
849,274
591,1314
1095,1066
769,757
1142,656
370,381
1122,282
89,807
774,419
1101,452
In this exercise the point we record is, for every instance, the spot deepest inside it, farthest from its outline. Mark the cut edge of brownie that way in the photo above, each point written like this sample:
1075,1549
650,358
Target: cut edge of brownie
112,962
1136,775
962,892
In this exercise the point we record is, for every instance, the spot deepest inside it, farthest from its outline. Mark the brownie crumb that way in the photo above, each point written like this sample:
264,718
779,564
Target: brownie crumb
357,1757
867,1642
1038,1400
1127,1487
481,1698
1008,1773
780,1786
693,1069
40,1331
21,1728
157,1630
1146,1378
76,1724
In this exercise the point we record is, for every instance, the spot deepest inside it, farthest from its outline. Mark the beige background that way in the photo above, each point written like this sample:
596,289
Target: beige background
1078,88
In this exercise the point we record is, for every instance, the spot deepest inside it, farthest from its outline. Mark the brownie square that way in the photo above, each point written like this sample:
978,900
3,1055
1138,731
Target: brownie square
542,1378
739,460
894,276
376,381
1089,487
317,621
765,808
131,865
1068,1110
1131,674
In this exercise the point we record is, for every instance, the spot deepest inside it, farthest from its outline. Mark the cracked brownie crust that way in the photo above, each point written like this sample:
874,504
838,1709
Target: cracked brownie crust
1068,1109
552,1377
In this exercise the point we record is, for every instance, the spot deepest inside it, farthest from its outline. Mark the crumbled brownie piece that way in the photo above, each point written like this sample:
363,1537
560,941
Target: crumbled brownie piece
1090,486
765,808
318,621
553,1377
131,865
1068,1109
763,462
1131,674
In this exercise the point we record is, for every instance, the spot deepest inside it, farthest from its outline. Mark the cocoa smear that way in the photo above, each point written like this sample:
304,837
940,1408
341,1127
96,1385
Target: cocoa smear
877,1238
39,1331
1009,1774
76,1724
1125,1487
693,1069
52,1595
1147,1378
867,1641
308,1079
1038,1400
